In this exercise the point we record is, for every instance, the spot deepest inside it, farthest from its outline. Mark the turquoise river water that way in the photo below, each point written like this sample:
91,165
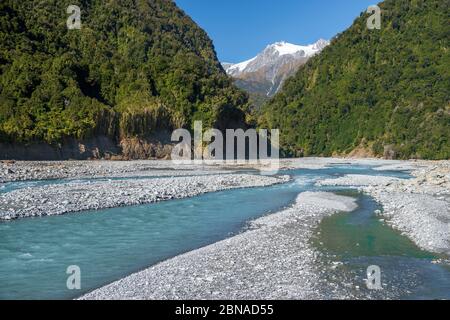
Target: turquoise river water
110,244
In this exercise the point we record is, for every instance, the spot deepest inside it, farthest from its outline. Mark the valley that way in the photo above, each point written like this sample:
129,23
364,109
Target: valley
115,117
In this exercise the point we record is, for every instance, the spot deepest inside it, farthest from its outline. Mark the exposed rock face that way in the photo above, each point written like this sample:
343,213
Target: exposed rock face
136,148
361,151
95,148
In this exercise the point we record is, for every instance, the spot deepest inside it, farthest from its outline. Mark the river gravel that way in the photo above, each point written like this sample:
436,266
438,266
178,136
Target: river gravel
74,196
418,207
44,170
423,218
353,180
272,260
320,163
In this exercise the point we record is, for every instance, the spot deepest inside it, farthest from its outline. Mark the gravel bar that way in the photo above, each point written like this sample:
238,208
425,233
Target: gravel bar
73,197
272,260
418,207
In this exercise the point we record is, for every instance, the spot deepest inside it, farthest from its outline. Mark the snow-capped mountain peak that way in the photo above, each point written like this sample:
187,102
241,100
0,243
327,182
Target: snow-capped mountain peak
284,48
237,66
272,53
320,44
274,64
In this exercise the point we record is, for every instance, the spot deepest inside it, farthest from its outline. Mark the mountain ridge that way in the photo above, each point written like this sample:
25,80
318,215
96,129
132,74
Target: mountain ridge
264,74
136,68
383,91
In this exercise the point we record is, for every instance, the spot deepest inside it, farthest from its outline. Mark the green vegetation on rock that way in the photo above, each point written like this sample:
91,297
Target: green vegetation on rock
136,66
386,91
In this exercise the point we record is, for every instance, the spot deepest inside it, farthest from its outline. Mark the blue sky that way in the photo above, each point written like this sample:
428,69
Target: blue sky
242,28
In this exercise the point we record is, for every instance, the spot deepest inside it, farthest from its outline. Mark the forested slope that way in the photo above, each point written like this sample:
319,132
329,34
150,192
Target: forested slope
382,92
135,67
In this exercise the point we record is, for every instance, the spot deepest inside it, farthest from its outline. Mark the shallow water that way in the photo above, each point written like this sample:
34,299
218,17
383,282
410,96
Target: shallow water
112,243
360,239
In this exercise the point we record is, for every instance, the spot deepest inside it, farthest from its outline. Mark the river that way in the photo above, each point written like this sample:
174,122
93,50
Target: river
110,244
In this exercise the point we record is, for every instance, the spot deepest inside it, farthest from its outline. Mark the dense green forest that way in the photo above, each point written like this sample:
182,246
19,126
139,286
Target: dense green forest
134,67
386,91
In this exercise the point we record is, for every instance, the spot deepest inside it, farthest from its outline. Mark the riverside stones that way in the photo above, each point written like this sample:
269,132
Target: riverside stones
56,199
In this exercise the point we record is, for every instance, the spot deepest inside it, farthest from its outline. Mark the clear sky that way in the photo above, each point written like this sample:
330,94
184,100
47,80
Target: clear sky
242,28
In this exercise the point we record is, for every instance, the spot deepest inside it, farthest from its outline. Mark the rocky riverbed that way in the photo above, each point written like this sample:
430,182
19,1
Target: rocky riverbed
418,207
44,170
272,260
40,170
355,180
75,196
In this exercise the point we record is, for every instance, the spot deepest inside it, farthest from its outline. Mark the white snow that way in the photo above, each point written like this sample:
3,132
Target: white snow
283,48
240,66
